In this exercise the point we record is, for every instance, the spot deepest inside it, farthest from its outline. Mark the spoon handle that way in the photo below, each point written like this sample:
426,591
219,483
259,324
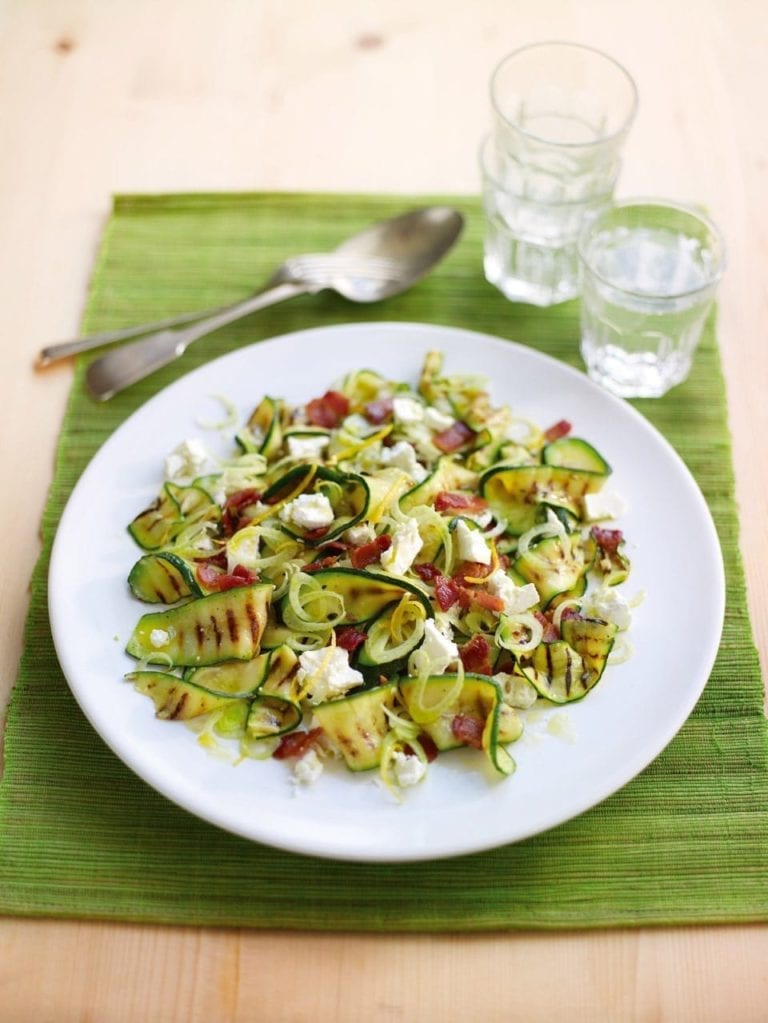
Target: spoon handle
113,372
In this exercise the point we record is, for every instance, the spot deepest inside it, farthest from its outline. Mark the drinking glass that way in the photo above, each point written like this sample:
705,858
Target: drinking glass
649,273
562,112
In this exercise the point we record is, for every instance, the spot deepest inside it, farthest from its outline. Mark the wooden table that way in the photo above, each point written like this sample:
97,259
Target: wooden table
172,95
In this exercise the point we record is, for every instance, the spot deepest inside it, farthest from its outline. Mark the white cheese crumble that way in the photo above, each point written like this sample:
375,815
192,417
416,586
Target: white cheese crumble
186,461
308,768
327,673
516,598
360,534
605,505
407,410
403,456
471,544
307,447
406,544
437,420
437,646
408,769
609,605
308,511
159,638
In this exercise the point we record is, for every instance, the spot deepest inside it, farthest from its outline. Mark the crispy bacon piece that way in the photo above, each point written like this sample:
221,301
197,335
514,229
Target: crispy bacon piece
608,539
559,429
210,577
471,570
350,638
327,562
379,411
569,612
296,744
468,729
487,601
448,500
426,571
233,516
428,745
329,410
551,632
475,656
447,592
365,555
456,436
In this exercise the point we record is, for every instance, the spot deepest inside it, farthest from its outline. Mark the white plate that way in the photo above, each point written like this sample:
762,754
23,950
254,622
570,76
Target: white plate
569,760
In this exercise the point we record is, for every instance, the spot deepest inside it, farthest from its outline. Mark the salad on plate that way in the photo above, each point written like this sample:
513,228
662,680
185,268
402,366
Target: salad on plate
379,576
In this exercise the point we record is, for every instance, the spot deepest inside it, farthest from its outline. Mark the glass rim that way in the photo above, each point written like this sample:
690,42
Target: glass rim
658,204
574,46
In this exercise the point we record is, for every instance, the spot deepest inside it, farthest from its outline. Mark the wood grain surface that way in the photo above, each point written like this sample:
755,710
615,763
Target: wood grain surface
105,96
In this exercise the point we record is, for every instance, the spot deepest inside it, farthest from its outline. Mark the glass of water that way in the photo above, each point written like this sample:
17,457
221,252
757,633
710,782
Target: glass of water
649,273
561,114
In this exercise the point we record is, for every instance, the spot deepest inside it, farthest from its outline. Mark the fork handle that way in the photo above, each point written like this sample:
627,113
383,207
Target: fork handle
63,349
118,369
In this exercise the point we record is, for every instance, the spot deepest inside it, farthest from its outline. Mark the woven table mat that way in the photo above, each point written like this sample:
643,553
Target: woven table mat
81,836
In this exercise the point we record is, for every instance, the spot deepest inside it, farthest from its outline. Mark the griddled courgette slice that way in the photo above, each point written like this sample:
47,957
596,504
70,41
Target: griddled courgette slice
478,697
515,492
356,725
555,565
266,422
176,698
557,672
163,578
365,594
593,640
153,528
232,678
574,453
176,508
272,715
220,627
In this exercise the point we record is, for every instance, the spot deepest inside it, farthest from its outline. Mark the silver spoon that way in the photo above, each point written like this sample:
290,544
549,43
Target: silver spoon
383,260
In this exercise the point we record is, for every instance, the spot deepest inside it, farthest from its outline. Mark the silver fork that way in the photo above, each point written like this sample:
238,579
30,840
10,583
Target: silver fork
309,268
360,278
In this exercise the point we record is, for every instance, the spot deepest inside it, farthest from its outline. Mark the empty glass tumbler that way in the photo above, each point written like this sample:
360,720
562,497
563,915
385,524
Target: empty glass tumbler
561,113
649,273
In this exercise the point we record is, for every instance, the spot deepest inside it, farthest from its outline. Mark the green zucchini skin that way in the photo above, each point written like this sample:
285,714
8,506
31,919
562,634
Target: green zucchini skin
356,725
219,627
163,578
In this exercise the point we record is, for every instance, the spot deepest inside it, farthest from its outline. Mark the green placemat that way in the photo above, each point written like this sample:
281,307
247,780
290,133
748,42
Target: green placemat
686,842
